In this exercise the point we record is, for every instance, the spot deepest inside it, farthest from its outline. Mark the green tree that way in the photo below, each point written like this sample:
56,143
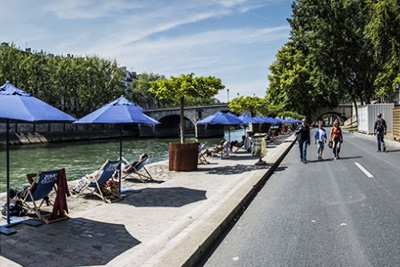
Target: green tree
141,94
334,58
290,88
383,31
186,86
251,104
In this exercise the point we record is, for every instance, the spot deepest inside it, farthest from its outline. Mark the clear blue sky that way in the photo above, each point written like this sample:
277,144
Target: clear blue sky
235,40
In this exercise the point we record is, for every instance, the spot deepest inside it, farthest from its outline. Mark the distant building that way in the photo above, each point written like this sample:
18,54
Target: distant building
128,79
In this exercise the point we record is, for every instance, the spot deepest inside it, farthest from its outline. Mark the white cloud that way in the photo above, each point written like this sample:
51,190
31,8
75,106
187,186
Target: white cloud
167,37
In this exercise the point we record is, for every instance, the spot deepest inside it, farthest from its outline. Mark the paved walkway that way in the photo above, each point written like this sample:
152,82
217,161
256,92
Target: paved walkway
147,228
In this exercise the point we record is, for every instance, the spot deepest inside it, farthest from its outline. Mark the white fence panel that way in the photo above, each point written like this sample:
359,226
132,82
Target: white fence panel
367,116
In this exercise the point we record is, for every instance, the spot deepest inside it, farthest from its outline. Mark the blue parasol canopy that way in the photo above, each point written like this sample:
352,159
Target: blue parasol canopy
19,106
120,111
221,118
247,119
259,119
279,120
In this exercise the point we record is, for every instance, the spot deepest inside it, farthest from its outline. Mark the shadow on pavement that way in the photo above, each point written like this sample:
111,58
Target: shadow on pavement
332,159
392,151
72,242
237,169
165,197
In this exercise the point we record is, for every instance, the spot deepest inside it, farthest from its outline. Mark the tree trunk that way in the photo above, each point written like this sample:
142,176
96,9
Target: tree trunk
182,120
355,106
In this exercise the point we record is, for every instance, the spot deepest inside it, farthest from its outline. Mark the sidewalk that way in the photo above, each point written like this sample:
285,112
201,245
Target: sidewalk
171,222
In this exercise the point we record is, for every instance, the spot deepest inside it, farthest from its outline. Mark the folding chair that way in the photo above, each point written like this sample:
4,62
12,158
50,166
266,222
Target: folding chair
43,184
202,158
143,177
108,169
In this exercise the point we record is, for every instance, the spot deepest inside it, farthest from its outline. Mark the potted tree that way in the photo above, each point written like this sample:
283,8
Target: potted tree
184,156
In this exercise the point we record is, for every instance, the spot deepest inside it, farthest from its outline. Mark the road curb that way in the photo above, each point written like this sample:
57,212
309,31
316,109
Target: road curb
200,238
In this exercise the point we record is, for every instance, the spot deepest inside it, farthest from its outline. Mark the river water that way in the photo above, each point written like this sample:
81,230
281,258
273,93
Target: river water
81,158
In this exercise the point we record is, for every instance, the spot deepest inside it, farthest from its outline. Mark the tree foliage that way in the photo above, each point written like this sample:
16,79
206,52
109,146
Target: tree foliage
76,85
251,104
339,50
185,86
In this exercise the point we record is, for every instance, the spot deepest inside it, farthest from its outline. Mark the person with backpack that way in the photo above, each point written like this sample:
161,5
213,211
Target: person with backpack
303,136
336,137
320,138
380,131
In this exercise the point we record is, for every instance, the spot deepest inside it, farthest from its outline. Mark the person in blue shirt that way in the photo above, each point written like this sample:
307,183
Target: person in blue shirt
320,139
303,136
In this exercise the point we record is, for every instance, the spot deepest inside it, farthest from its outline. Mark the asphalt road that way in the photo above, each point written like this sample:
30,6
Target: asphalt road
324,213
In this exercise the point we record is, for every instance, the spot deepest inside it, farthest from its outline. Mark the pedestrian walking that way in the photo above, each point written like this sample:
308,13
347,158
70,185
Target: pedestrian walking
303,137
380,131
320,139
336,136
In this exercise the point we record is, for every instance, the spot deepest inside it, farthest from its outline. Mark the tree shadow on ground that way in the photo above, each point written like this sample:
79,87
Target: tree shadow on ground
232,170
165,197
72,242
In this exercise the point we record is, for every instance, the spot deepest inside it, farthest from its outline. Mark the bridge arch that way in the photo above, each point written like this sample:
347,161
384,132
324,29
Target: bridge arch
170,126
334,115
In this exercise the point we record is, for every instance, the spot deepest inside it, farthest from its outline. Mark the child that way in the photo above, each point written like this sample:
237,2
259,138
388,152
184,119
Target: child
320,138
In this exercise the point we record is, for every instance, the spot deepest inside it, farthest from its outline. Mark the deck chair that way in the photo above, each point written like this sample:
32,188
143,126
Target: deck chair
138,174
108,169
43,184
202,158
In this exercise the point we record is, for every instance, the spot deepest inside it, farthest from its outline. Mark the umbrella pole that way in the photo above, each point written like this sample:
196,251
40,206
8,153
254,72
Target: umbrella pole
120,157
8,170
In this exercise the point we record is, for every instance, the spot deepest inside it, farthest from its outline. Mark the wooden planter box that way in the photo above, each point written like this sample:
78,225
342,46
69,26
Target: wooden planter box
183,157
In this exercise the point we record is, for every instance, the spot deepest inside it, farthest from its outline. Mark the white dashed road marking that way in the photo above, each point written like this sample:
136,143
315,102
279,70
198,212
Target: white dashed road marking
367,173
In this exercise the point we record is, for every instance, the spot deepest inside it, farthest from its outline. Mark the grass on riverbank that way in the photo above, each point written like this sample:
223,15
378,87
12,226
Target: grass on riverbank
350,128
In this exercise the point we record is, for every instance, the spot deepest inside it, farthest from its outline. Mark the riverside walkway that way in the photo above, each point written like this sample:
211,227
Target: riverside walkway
170,222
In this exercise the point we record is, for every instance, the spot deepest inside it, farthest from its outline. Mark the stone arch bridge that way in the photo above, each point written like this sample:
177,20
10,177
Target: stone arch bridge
170,120
343,110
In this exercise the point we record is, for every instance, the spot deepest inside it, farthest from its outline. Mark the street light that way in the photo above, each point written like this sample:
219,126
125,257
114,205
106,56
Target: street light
238,95
397,86
227,91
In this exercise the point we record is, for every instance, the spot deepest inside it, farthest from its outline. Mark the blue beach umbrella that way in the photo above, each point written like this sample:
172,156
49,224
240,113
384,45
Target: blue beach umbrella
120,111
279,120
259,119
247,119
19,106
221,118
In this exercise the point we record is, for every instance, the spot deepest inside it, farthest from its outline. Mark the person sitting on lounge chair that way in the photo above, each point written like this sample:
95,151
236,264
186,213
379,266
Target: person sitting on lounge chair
84,181
238,144
223,146
135,164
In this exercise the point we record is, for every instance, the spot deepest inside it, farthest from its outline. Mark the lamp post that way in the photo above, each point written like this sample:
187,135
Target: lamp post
227,91
397,86
238,95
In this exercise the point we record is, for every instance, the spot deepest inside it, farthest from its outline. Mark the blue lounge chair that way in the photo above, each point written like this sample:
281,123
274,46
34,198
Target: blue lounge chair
43,184
136,172
202,159
106,173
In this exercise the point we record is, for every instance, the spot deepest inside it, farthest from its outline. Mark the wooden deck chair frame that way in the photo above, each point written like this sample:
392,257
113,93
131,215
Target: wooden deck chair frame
36,208
93,180
140,176
202,158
